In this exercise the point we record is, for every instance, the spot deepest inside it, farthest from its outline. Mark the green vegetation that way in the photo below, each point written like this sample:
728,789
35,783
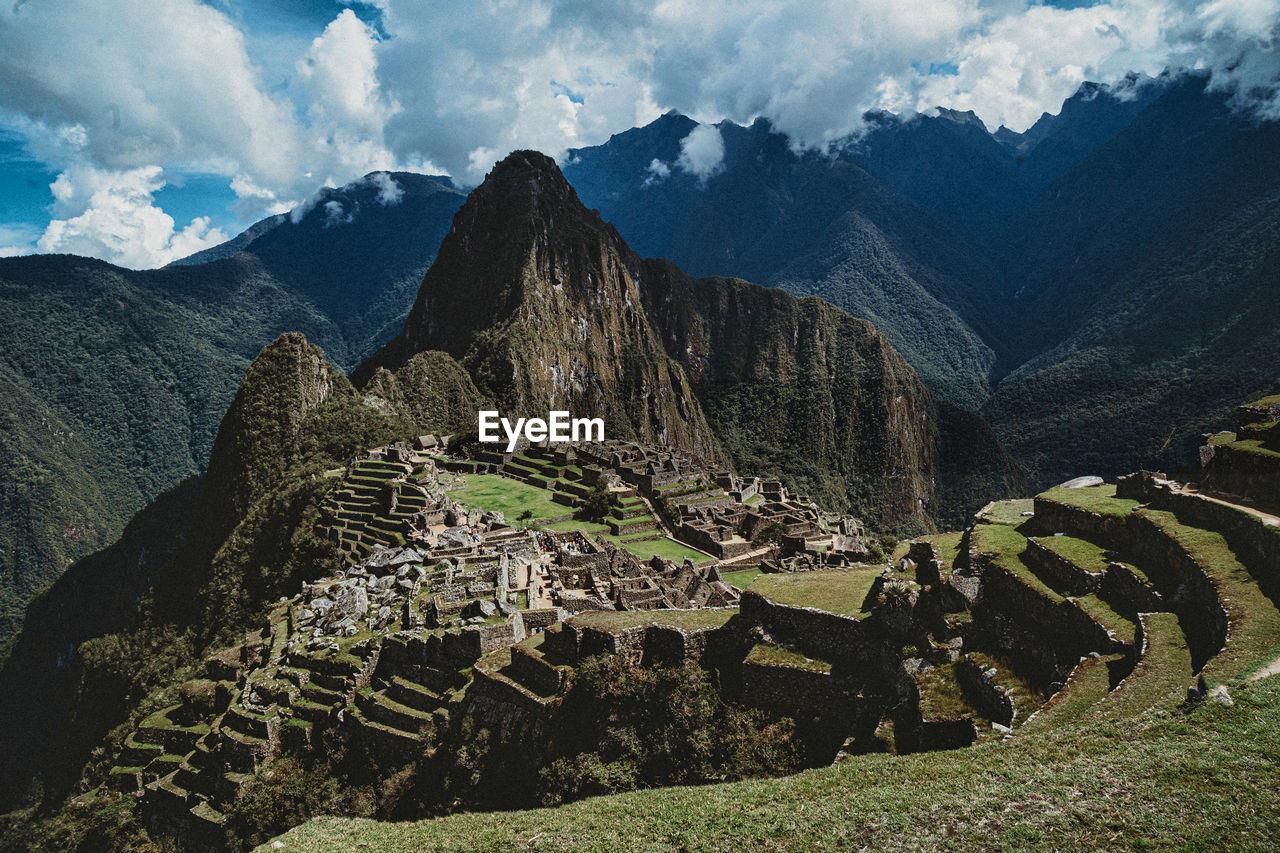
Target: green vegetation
494,492
1163,672
1099,499
635,727
1006,544
771,654
1166,780
1255,622
1010,511
836,590
741,578
1083,553
940,695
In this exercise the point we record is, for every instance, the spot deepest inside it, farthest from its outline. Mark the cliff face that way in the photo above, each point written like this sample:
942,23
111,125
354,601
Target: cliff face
539,300
798,388
288,381
545,306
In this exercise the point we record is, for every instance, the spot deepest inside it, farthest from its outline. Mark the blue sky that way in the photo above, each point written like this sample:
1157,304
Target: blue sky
180,122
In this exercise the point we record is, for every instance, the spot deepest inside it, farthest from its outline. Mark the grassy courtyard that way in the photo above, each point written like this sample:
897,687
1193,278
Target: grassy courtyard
511,497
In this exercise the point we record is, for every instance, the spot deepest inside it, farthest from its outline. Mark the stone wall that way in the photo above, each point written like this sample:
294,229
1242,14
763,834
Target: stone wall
1059,572
985,694
1236,471
814,632
1043,636
531,670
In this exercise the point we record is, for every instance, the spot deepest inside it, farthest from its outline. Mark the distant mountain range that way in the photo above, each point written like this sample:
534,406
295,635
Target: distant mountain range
1101,288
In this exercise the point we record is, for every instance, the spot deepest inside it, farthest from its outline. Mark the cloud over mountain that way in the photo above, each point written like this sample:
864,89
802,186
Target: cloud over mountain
280,104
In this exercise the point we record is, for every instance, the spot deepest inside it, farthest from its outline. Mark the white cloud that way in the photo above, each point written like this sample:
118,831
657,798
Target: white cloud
389,192
111,215
658,171
702,152
453,86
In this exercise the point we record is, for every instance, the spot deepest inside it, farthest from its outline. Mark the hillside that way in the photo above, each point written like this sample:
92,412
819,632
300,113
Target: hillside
812,224
545,306
1145,313
81,342
1093,283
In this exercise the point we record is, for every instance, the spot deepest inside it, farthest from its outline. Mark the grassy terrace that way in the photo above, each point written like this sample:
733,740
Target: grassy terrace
1006,544
1255,622
1089,682
771,654
948,547
1206,780
612,620
494,492
1010,512
642,548
834,590
741,578
1246,445
1084,554
1164,671
940,695
1099,499
1102,613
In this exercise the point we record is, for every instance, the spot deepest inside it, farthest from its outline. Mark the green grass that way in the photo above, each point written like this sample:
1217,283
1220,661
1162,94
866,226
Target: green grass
1164,671
947,545
664,547
615,619
940,695
493,492
771,654
1099,499
1089,682
741,578
1102,613
1010,512
1006,545
1202,781
835,590
643,548
1084,554
1255,622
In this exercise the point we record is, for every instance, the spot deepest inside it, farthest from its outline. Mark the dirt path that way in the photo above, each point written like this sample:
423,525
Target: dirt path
1266,517
1272,668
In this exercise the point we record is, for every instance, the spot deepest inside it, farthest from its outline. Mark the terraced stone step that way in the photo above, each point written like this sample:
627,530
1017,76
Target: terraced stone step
312,712
1163,669
248,722
126,780
379,708
1253,622
166,793
320,694
413,695
207,815
1088,684
386,737
137,751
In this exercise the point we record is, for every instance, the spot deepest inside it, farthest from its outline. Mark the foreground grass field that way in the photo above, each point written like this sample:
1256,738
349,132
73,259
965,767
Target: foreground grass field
1204,780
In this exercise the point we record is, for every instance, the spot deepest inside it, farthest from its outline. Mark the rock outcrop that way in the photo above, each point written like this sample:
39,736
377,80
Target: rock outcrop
546,307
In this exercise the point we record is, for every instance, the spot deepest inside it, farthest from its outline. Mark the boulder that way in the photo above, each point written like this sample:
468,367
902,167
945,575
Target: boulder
1081,483
481,608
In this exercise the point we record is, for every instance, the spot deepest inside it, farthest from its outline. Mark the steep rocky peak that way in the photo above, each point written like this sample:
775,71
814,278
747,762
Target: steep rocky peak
288,380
